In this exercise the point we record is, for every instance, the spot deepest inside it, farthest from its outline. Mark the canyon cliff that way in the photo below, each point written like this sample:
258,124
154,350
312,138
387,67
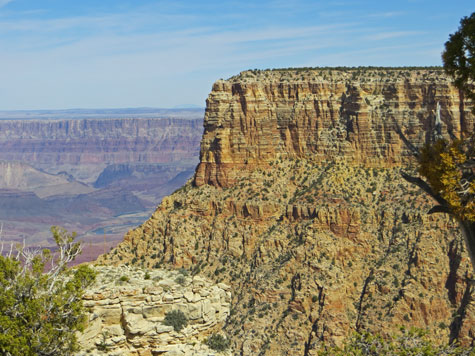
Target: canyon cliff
254,118
298,204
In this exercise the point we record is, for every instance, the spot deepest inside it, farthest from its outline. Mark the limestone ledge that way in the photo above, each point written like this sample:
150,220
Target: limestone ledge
126,308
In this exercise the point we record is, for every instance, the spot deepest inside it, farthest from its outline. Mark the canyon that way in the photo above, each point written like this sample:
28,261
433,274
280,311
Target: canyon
298,205
96,176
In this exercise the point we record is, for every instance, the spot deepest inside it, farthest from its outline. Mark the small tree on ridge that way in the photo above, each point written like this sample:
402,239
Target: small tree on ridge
40,311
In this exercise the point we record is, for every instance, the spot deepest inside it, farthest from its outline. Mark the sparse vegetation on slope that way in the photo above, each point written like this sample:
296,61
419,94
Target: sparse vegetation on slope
336,254
299,205
408,342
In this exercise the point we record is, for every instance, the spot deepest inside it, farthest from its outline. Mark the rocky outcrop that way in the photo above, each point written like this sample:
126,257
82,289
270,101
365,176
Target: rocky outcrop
300,207
127,306
253,118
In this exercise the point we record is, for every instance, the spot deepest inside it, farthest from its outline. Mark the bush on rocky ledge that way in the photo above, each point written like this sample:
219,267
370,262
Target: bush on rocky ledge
218,342
177,319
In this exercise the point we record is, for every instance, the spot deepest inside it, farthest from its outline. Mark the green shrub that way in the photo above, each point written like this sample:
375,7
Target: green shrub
218,342
124,279
177,319
183,272
41,311
181,280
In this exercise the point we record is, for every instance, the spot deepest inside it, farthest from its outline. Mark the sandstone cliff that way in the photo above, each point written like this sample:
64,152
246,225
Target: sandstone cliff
299,205
257,116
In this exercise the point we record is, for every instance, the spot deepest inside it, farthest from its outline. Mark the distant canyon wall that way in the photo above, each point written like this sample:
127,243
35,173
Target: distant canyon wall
94,176
105,141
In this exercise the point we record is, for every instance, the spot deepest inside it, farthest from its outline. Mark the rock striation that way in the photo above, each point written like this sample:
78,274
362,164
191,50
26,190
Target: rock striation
89,141
127,306
255,117
298,204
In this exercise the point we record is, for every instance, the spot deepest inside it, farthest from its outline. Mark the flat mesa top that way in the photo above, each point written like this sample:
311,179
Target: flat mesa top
342,74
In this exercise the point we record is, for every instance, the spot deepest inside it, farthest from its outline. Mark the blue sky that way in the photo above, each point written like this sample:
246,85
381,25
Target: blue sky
59,54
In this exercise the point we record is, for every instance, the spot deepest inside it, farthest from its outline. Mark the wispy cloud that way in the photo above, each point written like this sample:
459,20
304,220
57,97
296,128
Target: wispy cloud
393,34
168,52
4,2
126,32
386,14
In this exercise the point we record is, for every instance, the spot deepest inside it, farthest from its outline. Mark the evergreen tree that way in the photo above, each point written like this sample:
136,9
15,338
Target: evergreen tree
40,311
459,56
447,166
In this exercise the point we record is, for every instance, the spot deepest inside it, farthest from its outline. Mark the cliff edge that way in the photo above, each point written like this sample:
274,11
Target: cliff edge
257,116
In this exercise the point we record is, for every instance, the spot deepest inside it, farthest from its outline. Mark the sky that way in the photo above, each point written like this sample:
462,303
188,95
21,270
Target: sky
63,54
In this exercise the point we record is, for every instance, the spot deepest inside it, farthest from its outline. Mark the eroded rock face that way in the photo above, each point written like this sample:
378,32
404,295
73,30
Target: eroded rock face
255,117
312,225
126,310
48,143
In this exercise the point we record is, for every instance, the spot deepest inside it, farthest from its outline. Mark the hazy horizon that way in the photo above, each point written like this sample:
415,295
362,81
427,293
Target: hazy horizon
102,113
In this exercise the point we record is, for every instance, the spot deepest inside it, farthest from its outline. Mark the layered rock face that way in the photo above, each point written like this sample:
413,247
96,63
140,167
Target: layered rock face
100,142
257,116
127,307
298,204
